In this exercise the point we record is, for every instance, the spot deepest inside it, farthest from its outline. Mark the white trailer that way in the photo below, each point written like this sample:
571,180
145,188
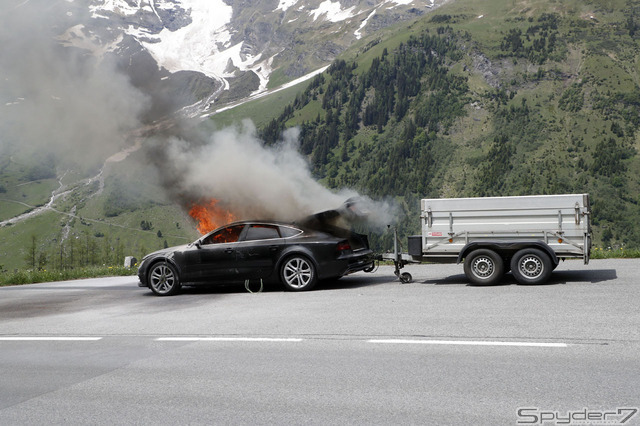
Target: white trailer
528,235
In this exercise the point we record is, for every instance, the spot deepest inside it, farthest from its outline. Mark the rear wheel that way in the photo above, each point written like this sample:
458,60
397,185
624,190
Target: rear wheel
298,273
531,266
163,279
484,267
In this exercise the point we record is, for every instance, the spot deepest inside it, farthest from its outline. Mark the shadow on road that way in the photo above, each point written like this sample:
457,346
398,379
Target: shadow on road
558,277
591,276
352,281
254,286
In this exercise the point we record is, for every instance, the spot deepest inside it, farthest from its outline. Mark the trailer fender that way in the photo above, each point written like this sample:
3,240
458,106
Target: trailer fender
507,249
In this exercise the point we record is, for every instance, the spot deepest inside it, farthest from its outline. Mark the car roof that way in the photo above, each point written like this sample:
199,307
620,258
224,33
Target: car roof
260,222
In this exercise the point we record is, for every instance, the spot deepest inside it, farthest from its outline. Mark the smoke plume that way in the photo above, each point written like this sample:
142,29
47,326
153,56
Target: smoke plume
56,99
249,179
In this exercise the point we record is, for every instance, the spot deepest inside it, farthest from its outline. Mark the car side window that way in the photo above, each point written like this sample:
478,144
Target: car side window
262,232
229,234
289,232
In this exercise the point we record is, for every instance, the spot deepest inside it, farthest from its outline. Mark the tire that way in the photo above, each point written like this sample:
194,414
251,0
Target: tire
405,278
531,266
298,273
370,268
163,279
484,267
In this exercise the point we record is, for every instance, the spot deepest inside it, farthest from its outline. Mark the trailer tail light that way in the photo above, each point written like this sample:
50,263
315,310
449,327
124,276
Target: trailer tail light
343,246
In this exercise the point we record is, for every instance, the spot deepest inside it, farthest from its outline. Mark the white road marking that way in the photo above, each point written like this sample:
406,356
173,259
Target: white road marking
471,343
292,340
226,339
50,339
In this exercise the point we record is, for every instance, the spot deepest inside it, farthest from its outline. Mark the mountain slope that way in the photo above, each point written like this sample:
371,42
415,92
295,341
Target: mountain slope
241,47
533,97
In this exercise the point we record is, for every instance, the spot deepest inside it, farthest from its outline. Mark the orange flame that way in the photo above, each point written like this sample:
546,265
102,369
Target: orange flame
210,216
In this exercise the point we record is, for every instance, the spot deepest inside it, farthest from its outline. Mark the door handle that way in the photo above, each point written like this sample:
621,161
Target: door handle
229,250
273,248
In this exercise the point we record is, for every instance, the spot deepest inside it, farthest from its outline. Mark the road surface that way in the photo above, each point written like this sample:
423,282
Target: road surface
361,350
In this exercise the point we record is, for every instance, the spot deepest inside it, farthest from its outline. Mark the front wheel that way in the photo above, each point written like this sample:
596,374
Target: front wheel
531,266
484,267
298,273
163,279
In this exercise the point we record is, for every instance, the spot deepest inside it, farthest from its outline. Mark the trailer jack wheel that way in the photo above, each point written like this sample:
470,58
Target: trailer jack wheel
405,277
370,268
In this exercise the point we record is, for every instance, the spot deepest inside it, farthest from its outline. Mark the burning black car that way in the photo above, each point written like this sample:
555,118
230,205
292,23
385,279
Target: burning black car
297,255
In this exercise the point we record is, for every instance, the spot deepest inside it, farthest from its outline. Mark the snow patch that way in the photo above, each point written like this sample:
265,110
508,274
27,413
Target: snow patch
204,45
119,7
333,11
263,70
358,32
268,92
286,4
402,2
194,47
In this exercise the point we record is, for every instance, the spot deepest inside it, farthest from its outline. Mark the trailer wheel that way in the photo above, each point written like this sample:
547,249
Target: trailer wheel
484,267
531,266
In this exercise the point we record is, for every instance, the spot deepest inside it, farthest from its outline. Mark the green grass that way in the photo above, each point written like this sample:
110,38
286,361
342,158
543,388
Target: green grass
17,197
10,209
80,218
619,253
261,110
31,277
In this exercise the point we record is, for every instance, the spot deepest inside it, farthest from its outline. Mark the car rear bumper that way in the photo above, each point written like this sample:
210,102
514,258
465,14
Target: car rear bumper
346,265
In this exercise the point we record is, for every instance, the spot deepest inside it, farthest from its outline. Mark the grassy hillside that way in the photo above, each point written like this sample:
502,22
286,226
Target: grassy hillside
88,225
486,98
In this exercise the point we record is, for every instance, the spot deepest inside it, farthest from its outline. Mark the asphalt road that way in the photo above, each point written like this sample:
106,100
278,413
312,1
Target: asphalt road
361,350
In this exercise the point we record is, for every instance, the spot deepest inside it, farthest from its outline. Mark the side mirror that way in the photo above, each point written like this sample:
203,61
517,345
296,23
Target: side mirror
198,244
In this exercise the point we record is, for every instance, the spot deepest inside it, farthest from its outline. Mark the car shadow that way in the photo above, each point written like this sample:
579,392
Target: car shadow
557,278
352,281
270,287
231,288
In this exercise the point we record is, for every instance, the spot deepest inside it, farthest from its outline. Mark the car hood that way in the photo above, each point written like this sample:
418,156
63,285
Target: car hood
168,250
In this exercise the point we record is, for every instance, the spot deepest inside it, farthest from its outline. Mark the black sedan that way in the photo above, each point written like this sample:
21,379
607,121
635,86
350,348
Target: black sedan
296,255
